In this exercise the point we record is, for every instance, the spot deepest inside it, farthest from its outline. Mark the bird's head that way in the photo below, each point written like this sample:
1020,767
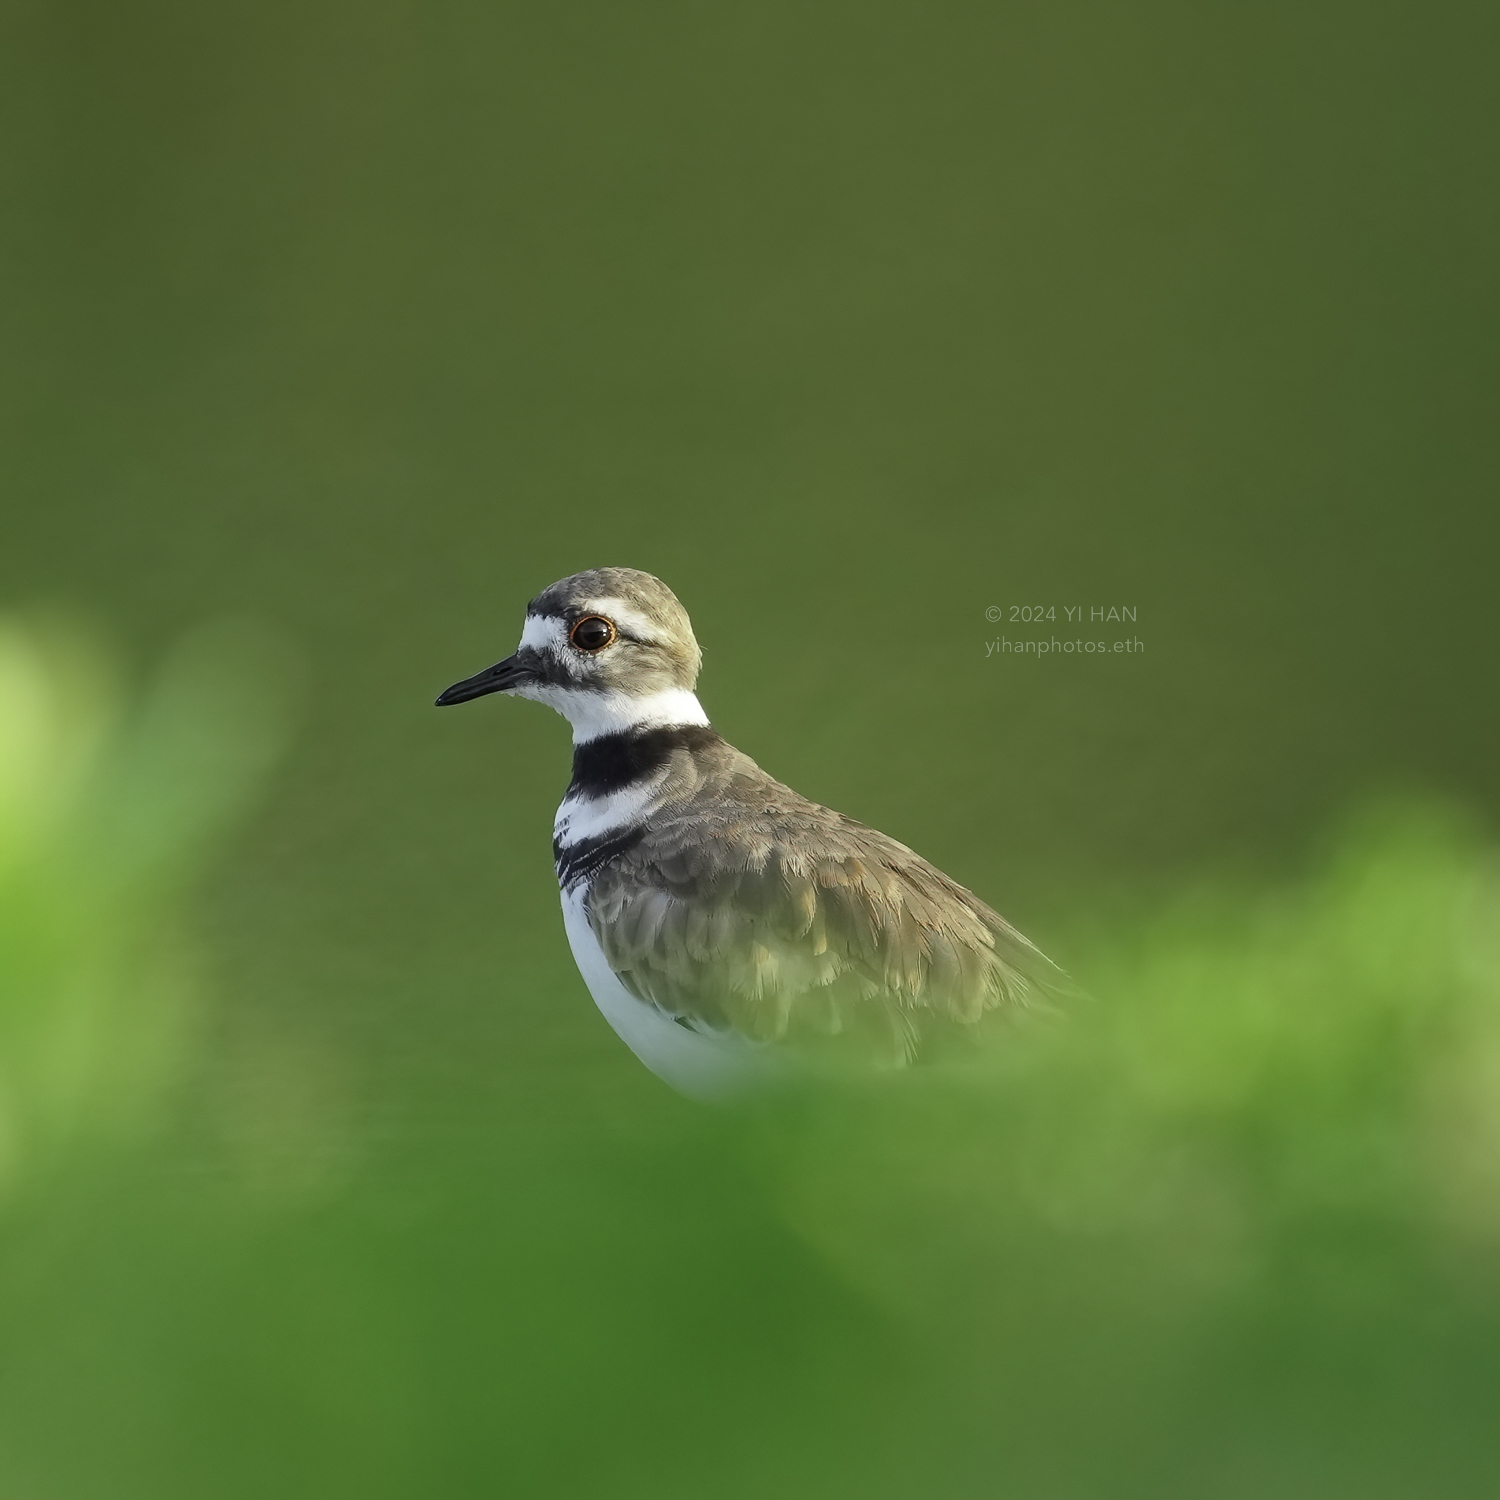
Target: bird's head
610,649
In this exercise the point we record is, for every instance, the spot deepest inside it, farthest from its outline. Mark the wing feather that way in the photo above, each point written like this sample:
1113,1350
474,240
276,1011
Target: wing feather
791,920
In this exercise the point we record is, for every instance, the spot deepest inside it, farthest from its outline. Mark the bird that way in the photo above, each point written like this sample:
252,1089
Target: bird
732,932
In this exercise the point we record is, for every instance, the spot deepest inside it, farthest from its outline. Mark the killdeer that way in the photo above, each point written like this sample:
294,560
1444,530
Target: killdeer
718,918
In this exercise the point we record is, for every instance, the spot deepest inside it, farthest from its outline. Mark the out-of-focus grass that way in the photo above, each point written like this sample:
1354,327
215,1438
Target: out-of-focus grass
1255,1060
109,804
1231,1228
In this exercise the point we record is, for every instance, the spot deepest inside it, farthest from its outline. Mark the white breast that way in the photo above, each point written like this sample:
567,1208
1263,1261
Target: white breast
700,1065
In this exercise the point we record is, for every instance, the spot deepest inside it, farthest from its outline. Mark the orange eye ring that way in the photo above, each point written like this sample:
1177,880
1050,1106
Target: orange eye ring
592,634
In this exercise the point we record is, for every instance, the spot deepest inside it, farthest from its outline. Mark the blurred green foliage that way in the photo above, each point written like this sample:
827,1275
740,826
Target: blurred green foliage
107,809
1230,1228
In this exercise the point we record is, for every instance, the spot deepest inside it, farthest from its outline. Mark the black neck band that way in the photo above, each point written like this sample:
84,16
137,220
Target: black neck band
613,761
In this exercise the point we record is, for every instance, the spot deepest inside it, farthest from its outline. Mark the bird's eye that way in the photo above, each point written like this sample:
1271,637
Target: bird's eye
592,633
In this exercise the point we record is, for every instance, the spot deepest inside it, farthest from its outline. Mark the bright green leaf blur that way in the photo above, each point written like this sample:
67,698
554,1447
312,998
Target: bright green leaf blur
107,809
1239,1209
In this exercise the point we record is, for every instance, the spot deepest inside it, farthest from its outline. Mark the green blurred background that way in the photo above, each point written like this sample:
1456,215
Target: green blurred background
363,323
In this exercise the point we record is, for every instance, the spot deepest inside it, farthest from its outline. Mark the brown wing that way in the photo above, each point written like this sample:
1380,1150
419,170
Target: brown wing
791,920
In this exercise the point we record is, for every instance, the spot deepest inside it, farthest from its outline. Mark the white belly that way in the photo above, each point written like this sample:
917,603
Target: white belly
702,1066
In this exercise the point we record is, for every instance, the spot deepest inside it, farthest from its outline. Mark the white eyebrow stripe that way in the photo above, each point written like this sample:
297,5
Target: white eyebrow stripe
544,632
541,632
627,617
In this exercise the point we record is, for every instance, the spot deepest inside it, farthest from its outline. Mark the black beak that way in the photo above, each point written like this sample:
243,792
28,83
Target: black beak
504,674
